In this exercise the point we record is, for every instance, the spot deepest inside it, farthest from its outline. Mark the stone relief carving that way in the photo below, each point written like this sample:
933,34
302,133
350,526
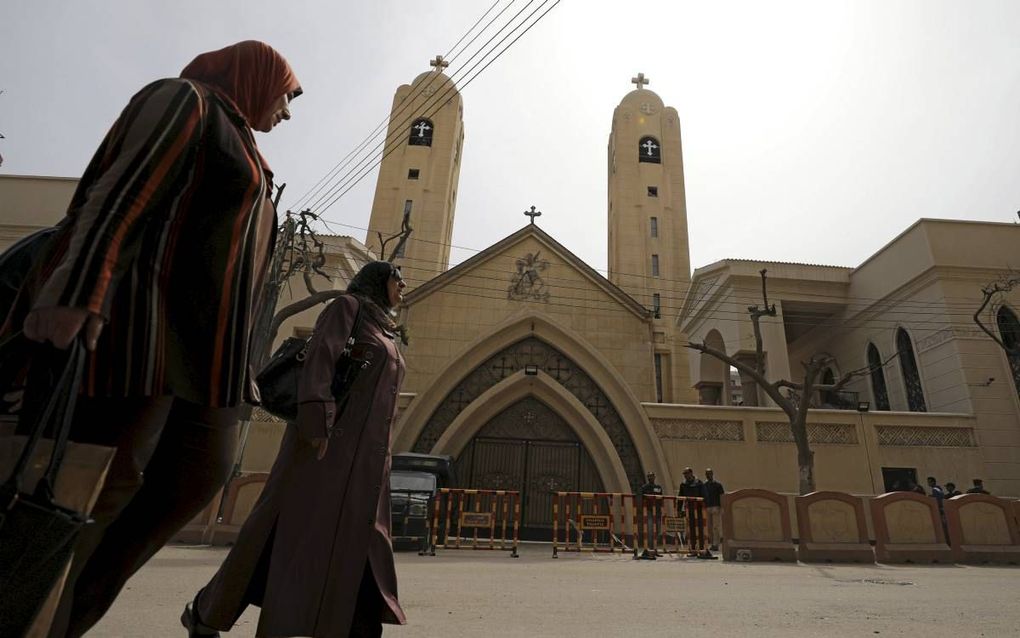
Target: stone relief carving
527,284
533,351
909,436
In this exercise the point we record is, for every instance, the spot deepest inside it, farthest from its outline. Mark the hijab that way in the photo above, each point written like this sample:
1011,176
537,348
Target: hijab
251,74
370,284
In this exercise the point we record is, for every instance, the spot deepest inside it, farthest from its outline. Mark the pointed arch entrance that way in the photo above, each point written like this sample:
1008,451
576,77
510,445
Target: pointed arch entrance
596,420
604,439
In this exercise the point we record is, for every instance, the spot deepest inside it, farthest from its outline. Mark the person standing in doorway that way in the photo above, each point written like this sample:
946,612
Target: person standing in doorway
158,267
713,506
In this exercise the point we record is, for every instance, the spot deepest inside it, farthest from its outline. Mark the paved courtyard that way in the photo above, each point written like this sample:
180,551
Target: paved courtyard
490,594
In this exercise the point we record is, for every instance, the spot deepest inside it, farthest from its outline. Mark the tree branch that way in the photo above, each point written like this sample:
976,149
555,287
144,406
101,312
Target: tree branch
300,306
989,292
771,389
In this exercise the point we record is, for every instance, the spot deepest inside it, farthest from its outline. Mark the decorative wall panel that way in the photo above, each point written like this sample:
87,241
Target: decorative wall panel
821,433
698,429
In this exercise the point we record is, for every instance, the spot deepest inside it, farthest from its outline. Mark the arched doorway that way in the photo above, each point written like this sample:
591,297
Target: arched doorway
530,448
537,356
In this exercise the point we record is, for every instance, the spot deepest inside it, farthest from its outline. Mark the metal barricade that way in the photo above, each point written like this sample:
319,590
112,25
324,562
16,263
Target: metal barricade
593,522
461,518
673,525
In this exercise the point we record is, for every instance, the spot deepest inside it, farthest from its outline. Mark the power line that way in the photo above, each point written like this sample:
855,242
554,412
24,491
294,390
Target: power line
345,187
914,309
345,161
438,99
963,304
578,304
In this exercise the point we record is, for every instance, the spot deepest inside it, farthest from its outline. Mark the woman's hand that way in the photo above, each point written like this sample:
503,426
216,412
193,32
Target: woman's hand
61,324
321,444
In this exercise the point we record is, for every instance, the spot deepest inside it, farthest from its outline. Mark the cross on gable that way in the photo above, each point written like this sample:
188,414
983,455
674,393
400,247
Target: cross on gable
640,80
533,214
439,63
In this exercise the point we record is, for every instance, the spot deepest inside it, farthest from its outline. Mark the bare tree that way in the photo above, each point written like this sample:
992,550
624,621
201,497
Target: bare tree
797,401
300,251
995,289
1010,344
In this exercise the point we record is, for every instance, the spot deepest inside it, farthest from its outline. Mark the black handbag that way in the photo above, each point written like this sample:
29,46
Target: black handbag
36,534
278,381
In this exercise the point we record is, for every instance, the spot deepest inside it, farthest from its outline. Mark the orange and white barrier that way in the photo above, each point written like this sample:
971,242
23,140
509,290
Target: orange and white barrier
593,522
673,525
476,519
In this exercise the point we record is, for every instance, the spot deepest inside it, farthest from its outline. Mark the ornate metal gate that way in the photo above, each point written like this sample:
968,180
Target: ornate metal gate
529,448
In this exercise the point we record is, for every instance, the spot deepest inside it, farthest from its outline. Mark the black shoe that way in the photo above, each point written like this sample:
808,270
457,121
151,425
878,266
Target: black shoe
194,625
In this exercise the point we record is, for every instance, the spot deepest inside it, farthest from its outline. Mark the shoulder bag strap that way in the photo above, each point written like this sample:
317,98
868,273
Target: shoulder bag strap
58,409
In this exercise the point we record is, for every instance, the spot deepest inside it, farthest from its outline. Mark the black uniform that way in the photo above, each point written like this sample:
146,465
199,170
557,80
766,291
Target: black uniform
650,511
695,515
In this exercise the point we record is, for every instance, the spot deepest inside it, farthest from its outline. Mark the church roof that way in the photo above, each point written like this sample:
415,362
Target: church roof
530,230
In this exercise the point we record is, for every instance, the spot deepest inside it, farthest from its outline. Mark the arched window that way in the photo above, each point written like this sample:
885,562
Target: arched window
878,389
829,398
911,375
421,132
649,150
1009,331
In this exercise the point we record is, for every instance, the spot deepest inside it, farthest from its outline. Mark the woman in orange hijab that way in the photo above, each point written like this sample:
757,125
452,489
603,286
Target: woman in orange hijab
158,266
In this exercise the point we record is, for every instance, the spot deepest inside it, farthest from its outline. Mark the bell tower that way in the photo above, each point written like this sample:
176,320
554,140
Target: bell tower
649,256
419,173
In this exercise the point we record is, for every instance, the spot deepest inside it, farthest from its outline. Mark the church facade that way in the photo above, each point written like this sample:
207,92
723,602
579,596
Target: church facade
538,373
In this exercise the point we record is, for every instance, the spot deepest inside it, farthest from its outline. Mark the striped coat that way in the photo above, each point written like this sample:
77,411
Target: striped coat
161,239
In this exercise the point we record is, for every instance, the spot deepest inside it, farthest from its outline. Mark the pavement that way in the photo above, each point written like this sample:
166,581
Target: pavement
475,593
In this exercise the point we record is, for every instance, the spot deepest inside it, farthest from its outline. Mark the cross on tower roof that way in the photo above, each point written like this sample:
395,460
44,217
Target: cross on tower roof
640,80
533,214
439,63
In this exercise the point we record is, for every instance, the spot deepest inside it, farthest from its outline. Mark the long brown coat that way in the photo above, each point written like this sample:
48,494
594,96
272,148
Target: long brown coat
325,518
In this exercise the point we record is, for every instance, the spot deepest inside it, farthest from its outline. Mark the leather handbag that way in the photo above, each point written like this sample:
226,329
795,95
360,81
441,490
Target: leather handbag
279,380
36,534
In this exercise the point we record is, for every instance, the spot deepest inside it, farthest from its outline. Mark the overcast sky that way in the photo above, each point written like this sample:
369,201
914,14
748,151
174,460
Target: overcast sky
812,131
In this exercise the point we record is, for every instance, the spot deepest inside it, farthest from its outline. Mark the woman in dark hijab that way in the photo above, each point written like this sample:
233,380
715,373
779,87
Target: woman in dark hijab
315,553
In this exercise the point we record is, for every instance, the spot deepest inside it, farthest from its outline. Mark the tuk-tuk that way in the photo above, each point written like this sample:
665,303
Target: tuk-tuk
414,481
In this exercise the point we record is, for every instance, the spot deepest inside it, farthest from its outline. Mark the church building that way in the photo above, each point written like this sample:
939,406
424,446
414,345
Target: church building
537,373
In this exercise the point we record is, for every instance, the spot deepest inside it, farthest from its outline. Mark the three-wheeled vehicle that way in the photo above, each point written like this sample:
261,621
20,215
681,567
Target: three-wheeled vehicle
414,481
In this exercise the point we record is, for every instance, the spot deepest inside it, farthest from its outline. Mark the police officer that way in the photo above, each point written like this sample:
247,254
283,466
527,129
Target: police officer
692,487
650,506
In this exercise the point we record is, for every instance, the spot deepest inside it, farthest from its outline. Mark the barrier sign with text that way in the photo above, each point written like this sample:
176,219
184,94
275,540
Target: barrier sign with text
599,521
674,524
476,519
